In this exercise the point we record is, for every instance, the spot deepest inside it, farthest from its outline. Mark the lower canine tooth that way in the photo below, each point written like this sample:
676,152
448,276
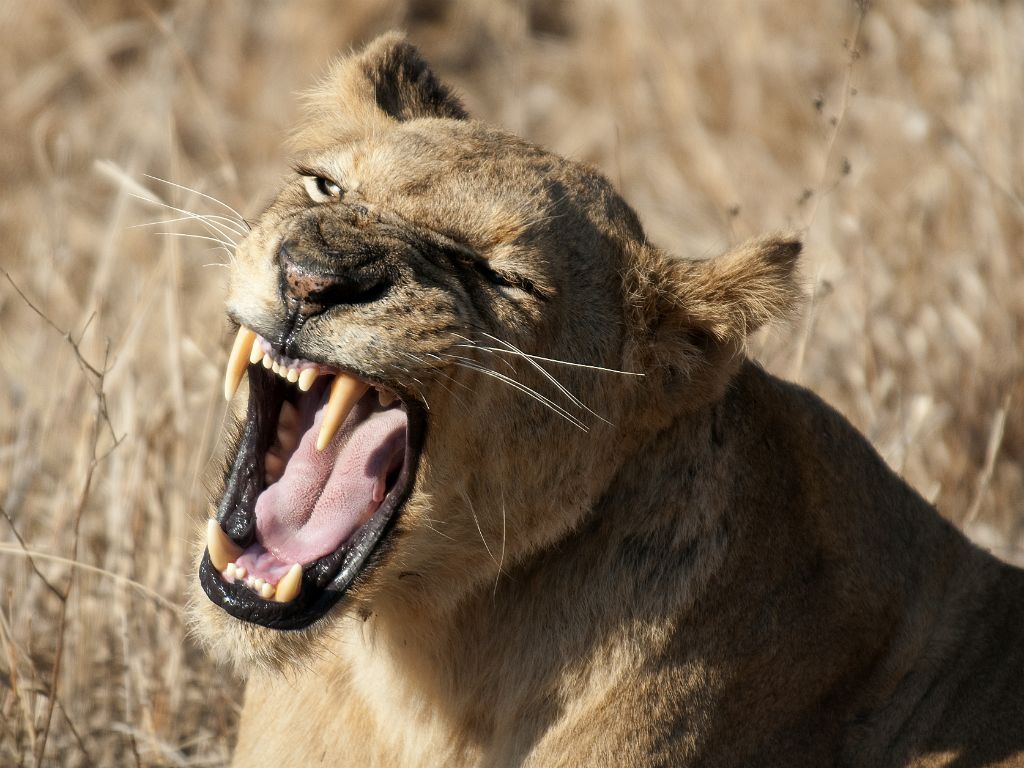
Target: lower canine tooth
289,585
345,393
385,398
221,548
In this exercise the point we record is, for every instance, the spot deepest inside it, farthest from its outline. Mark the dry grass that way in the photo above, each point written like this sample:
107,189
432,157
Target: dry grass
895,142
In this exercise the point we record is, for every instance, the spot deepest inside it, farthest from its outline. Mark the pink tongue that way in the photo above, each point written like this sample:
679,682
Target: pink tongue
324,496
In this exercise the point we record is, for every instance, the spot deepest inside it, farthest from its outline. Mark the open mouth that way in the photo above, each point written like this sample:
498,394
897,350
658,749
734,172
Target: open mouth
325,460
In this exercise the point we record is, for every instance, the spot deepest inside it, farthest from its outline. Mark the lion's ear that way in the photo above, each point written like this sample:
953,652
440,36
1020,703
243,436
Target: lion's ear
695,316
388,80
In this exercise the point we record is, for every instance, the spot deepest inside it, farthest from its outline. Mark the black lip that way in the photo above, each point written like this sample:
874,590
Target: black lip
324,581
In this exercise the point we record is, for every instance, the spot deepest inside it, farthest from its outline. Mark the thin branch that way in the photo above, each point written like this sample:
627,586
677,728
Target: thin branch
74,732
28,554
84,364
9,549
62,617
853,46
7,640
45,318
102,418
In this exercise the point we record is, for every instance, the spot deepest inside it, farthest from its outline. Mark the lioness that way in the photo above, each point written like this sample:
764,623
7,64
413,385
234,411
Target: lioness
508,492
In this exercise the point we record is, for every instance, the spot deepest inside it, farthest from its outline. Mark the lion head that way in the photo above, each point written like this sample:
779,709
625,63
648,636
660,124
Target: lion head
453,340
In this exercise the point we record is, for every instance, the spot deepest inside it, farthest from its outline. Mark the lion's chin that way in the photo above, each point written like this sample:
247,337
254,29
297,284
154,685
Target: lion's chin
249,648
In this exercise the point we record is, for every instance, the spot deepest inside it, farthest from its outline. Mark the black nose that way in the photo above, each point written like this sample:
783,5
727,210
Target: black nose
310,284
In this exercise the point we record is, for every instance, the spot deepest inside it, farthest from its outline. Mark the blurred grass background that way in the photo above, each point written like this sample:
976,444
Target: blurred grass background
890,133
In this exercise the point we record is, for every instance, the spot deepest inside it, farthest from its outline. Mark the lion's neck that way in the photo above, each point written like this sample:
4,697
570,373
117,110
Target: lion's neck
729,536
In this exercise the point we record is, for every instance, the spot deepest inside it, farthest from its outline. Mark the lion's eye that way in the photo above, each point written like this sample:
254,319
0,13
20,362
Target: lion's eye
321,190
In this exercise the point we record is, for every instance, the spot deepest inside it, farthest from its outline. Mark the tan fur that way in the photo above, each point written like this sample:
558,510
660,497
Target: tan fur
715,570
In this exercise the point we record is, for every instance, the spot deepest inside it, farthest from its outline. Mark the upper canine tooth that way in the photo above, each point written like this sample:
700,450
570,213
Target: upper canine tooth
221,548
238,360
307,377
345,393
289,585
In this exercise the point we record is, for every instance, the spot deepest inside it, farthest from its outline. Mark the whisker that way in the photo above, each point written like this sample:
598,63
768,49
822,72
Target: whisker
473,345
428,522
420,361
479,530
558,385
554,407
423,387
204,216
188,214
511,348
241,219
462,403
223,243
561,362
501,561
448,376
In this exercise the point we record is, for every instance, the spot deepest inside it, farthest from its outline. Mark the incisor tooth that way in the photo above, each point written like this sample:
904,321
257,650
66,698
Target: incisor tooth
266,591
306,378
345,393
289,585
268,361
240,572
293,375
222,549
238,360
275,367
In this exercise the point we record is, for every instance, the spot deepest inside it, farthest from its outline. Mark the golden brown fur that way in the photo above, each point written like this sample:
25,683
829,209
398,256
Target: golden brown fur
712,568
